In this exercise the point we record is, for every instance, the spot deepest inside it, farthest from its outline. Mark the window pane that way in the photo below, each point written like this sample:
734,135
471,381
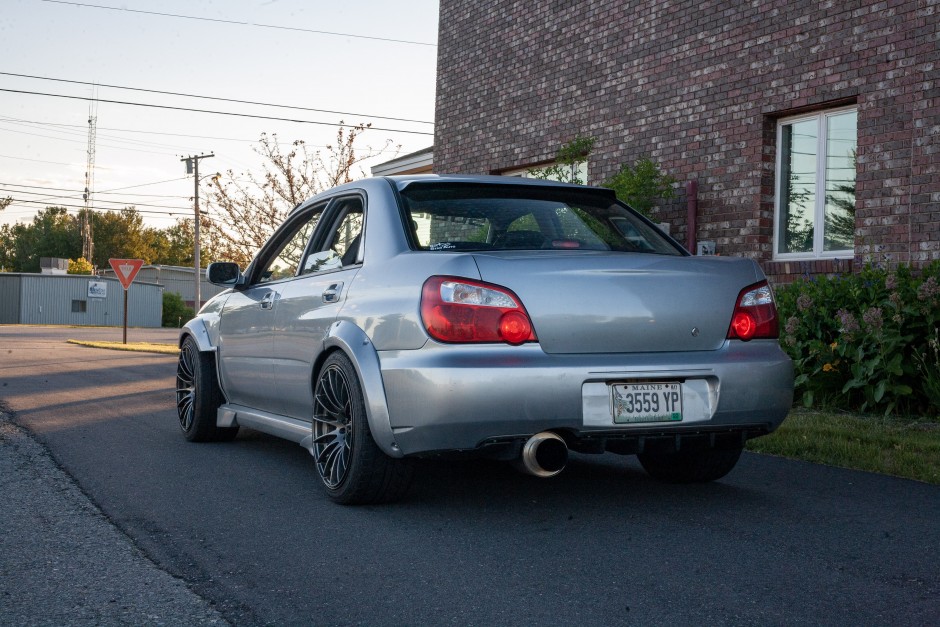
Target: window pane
285,264
841,141
798,186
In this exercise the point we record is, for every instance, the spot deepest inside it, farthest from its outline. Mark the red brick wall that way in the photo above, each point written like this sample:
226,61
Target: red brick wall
698,87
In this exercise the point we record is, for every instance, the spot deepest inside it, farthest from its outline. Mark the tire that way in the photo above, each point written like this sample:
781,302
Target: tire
690,466
198,396
351,467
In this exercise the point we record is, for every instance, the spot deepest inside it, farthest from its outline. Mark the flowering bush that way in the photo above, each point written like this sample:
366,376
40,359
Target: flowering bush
868,341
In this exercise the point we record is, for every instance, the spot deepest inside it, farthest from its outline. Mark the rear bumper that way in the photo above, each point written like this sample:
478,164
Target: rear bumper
453,398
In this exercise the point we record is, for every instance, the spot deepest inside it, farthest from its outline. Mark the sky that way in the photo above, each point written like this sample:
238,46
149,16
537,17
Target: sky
355,61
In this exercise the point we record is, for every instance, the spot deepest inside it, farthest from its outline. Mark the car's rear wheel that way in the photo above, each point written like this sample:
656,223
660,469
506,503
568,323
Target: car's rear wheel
351,466
690,466
198,396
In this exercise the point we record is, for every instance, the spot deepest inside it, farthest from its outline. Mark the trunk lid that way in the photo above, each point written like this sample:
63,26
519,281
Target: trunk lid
598,302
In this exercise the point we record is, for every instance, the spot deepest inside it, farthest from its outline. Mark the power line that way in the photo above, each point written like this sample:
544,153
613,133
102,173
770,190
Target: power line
119,189
78,141
221,21
74,196
248,102
63,134
18,201
240,115
130,130
36,160
69,189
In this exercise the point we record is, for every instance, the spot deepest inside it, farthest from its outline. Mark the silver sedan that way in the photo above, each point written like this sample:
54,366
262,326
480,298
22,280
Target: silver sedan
401,317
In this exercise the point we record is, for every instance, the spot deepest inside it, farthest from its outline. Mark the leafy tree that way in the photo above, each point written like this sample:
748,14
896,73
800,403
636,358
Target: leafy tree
80,266
52,233
120,234
641,185
173,246
7,248
250,207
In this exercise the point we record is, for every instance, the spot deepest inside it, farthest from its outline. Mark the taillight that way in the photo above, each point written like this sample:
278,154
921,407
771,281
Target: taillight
462,310
755,314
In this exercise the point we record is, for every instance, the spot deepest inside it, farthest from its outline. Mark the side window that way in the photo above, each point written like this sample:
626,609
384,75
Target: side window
284,262
341,245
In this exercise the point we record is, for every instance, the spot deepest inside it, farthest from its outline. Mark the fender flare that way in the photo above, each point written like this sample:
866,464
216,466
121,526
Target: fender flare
196,328
349,338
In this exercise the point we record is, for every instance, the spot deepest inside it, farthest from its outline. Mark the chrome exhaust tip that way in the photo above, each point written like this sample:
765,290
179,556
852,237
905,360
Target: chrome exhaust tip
544,455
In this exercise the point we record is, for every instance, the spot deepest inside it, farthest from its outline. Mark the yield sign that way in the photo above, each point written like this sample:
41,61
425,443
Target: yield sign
126,270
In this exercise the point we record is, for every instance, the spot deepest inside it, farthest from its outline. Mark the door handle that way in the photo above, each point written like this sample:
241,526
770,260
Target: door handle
267,301
331,294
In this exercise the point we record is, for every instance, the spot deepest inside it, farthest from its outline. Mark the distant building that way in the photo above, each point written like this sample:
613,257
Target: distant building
77,299
420,162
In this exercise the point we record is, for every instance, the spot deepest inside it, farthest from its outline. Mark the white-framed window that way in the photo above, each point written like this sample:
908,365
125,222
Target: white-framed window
814,210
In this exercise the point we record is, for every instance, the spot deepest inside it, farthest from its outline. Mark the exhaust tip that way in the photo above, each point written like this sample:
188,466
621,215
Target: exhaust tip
545,454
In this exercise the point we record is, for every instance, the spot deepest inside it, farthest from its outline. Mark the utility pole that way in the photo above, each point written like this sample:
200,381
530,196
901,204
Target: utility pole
192,167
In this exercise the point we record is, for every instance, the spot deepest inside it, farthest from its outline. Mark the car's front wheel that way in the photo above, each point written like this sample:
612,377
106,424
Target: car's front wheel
351,466
198,396
690,466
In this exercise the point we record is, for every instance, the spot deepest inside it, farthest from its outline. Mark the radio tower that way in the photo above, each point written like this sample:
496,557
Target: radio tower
88,245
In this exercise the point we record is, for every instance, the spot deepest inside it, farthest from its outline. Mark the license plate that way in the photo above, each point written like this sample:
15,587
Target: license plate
646,402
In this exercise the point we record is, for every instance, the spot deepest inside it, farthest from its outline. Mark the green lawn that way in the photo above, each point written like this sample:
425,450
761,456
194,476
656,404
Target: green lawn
907,448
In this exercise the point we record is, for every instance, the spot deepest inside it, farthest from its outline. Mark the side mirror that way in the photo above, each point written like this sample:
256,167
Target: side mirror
224,274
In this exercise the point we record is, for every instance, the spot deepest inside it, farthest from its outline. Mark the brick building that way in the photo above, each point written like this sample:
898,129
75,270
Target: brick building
811,128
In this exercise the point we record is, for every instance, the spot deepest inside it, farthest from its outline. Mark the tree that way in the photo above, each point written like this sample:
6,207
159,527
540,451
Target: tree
52,233
120,234
80,266
641,185
173,246
6,239
248,208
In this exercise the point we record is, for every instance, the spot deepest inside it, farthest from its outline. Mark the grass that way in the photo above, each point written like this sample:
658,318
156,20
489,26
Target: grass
140,347
908,448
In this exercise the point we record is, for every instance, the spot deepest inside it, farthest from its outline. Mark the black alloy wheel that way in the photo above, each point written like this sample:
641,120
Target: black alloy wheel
351,466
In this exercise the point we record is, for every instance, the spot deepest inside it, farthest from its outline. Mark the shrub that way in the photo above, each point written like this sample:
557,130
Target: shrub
868,341
80,266
175,311
642,185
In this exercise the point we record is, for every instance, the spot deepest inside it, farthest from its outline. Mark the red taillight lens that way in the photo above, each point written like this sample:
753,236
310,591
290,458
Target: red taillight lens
462,310
755,314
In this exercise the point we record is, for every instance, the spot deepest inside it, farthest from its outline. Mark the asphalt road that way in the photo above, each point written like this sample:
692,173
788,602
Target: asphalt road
777,542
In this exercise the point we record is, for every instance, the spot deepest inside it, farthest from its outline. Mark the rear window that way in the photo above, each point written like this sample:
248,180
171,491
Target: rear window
493,217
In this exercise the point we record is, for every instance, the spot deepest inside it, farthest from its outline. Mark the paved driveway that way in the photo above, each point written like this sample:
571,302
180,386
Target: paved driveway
776,542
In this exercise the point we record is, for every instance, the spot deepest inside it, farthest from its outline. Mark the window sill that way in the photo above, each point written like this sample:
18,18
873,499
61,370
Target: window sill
788,270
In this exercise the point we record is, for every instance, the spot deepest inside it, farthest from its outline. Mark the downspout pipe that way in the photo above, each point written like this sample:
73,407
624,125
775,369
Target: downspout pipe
691,194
